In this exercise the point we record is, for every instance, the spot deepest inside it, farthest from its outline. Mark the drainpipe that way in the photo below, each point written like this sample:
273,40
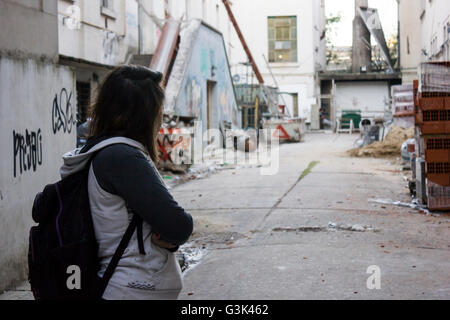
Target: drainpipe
139,29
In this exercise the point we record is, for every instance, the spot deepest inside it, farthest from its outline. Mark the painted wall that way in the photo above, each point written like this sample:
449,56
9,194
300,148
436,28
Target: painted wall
370,97
37,121
208,62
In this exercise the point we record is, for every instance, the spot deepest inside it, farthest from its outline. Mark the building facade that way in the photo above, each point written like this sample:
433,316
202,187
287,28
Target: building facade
435,25
424,34
96,35
287,41
37,121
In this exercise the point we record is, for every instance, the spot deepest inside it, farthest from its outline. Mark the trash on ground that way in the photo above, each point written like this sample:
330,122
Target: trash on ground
332,226
414,204
189,256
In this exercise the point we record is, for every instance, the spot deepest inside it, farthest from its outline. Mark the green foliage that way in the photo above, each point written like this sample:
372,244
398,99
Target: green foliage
330,24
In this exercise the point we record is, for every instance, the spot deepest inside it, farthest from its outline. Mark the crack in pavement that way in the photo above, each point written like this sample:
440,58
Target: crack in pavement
305,172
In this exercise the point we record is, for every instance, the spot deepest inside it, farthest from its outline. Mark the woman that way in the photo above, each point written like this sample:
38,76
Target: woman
124,182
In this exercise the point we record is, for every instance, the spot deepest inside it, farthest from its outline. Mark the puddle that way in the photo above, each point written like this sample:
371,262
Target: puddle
189,256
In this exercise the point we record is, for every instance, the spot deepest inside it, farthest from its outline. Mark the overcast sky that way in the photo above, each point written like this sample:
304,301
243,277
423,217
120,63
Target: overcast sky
387,9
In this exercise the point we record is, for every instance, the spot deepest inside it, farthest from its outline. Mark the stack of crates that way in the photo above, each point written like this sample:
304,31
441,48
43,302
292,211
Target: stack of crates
432,123
403,105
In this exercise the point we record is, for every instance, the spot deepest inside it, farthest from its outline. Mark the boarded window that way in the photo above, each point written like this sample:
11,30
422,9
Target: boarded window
282,32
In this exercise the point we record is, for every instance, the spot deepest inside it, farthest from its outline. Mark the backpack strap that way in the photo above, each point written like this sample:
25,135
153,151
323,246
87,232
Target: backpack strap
118,254
140,236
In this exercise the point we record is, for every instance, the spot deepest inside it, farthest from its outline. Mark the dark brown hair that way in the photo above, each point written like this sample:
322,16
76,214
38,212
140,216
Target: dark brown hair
129,103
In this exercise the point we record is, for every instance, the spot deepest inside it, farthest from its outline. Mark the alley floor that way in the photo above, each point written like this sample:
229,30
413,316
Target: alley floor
311,231
278,237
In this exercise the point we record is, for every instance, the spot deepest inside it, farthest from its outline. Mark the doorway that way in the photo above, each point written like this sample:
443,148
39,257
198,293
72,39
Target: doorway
211,107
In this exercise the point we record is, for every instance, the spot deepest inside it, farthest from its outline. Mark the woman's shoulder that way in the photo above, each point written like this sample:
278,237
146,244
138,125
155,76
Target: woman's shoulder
117,150
118,157
115,164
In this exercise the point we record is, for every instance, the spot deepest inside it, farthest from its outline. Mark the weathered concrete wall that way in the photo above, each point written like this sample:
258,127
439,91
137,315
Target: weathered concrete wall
208,62
36,24
37,121
105,39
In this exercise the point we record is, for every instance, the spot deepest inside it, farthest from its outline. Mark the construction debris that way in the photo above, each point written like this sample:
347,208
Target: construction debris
414,204
332,226
391,146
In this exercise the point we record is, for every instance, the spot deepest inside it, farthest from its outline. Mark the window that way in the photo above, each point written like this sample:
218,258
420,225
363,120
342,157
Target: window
83,98
282,33
107,4
107,9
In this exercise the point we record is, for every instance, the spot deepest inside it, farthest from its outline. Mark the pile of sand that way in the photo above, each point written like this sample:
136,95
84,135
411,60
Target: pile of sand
391,146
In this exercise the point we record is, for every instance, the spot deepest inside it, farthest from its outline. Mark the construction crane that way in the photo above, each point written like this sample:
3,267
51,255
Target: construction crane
271,101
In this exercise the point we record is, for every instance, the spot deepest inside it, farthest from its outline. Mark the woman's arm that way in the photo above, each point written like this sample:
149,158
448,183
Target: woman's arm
124,171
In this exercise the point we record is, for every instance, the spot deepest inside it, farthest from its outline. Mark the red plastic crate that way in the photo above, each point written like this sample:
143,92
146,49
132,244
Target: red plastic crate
447,103
432,103
437,149
438,197
434,121
438,172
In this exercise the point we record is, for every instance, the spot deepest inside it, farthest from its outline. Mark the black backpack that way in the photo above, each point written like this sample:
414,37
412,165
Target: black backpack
62,256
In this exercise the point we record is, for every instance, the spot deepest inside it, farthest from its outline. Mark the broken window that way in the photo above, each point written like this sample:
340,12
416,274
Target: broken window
282,32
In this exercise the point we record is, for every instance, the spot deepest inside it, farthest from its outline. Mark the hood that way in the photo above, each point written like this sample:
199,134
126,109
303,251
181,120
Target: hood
78,158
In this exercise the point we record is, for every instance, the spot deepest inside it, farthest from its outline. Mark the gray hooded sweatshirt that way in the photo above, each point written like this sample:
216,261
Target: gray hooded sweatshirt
124,181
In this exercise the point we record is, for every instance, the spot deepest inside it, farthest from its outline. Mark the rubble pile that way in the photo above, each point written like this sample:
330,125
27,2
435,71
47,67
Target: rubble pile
391,146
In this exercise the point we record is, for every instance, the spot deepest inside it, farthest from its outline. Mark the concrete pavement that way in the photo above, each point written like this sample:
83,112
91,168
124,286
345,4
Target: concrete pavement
278,237
273,240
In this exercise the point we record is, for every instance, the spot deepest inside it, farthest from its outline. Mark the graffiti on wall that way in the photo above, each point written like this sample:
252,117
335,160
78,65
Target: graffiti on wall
27,150
193,97
223,102
208,62
110,47
174,147
228,105
62,112
204,63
